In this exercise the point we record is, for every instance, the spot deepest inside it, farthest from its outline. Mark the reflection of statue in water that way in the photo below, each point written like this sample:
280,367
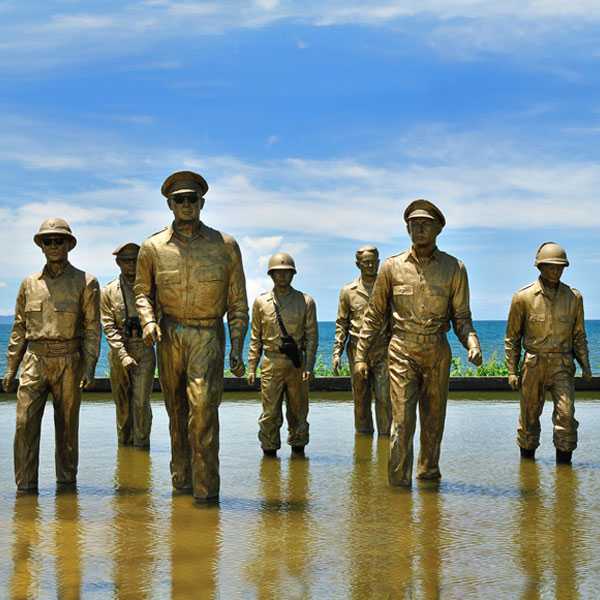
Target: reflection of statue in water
430,516
425,290
354,299
284,327
546,318
283,550
134,552
381,534
189,276
68,544
56,337
566,531
26,538
531,533
195,537
132,363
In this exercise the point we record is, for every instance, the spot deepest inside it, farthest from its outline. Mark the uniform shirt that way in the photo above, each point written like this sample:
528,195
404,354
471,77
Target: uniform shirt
201,277
299,315
58,308
354,299
113,313
544,320
424,296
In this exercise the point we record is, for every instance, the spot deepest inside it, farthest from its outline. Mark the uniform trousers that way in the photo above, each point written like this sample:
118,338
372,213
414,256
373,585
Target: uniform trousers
191,361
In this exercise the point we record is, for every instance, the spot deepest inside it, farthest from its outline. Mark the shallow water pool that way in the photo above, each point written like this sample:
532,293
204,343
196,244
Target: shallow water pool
324,527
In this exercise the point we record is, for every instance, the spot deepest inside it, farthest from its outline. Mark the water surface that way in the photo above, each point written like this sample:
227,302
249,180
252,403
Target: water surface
324,527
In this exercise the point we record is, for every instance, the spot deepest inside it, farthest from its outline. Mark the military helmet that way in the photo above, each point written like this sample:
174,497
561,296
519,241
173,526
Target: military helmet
550,253
54,226
281,261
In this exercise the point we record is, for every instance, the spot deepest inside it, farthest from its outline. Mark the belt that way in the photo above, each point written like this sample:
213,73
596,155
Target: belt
54,348
193,322
425,338
275,354
538,352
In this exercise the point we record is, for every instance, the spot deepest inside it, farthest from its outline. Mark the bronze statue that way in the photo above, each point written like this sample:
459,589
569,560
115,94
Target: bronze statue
188,277
354,299
546,318
56,340
284,327
424,289
132,363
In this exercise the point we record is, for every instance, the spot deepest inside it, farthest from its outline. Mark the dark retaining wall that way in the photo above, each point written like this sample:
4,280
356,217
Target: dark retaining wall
342,384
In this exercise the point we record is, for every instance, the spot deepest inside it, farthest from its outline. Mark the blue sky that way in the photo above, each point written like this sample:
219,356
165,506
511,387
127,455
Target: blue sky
315,123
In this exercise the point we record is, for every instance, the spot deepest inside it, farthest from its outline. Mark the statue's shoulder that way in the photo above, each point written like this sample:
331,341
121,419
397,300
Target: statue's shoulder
526,290
158,236
111,286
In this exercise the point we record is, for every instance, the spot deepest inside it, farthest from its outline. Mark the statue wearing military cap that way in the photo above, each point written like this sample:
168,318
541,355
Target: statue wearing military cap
546,319
55,339
284,330
188,277
424,290
132,363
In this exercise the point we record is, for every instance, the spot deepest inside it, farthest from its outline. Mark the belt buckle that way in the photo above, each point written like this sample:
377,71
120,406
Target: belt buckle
57,348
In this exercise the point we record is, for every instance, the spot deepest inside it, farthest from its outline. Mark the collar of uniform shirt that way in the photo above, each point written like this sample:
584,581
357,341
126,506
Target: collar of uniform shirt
202,232
46,272
549,293
411,255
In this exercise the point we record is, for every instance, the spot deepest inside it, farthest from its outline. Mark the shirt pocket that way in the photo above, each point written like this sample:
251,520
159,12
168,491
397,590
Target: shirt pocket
436,301
403,297
209,284
168,287
67,314
537,325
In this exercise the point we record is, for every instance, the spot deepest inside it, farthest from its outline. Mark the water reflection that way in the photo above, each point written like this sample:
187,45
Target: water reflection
531,534
68,544
281,562
134,551
566,532
430,541
26,536
195,536
381,528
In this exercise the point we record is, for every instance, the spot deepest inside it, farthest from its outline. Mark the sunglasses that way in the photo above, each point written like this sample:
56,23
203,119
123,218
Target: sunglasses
191,199
53,241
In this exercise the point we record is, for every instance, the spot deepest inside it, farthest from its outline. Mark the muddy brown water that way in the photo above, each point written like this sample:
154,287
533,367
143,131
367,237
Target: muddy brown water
327,526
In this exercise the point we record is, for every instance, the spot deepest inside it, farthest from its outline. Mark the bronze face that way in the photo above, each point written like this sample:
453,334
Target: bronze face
56,248
186,206
368,264
282,278
551,273
423,231
127,264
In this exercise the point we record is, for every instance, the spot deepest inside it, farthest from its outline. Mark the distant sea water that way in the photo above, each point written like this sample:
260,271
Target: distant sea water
491,334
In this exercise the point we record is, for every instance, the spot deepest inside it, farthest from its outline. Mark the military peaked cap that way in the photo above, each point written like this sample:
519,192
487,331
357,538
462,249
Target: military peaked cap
424,209
184,182
127,248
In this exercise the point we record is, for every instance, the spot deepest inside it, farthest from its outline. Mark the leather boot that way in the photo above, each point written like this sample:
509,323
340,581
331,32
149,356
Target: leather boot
563,458
528,453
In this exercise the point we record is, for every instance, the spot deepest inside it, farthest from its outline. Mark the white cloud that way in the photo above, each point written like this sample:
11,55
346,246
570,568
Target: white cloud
44,38
2,284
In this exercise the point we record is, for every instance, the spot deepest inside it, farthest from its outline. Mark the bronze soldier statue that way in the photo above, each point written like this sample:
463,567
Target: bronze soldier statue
284,327
354,299
188,277
56,340
546,318
425,289
132,363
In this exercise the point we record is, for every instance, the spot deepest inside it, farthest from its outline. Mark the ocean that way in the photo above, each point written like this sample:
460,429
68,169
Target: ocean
491,334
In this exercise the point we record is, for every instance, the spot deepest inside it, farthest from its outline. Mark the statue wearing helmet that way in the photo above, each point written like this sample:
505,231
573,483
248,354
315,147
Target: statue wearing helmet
56,340
546,319
284,329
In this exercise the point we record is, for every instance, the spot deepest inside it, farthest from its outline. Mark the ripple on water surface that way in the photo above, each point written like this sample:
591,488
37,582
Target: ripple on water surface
327,526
